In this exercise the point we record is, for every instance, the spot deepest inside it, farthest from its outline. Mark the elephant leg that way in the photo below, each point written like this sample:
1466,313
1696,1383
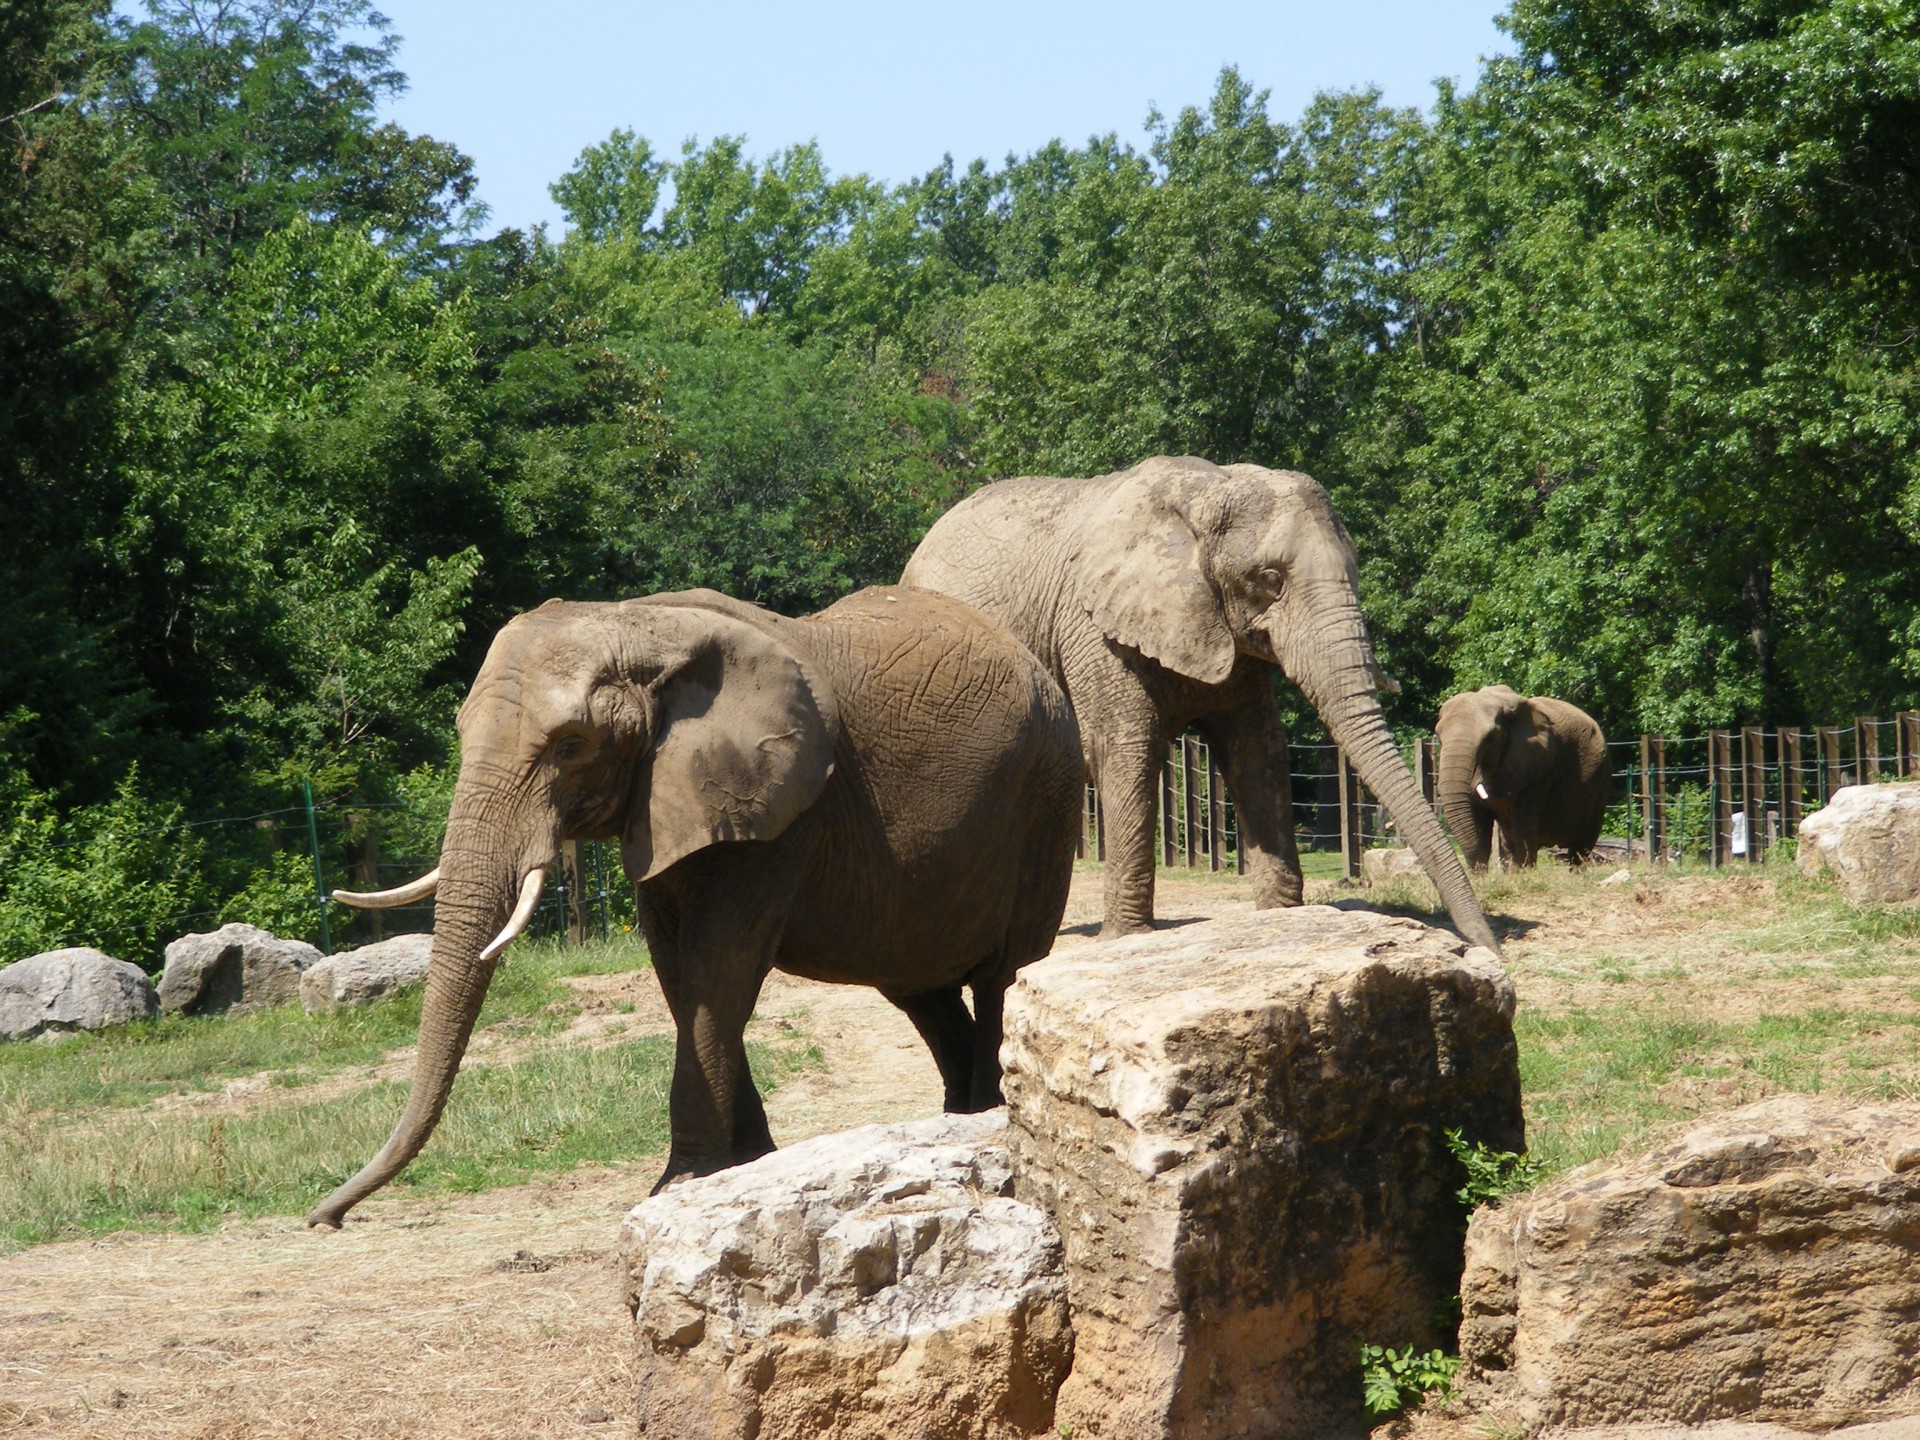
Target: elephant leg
943,1022
1251,742
730,905
989,999
1128,778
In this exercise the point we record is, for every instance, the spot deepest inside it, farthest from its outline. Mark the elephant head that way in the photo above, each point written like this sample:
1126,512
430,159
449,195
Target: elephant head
671,725
1195,565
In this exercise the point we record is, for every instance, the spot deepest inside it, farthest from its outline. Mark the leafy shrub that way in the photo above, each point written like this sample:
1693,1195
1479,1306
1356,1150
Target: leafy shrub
1394,1379
121,875
1492,1175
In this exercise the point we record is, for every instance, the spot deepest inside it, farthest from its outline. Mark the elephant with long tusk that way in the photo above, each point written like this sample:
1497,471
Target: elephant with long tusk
1163,596
885,794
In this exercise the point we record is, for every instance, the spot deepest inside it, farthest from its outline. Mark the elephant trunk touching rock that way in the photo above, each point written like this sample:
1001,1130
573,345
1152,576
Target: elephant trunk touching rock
1344,695
786,793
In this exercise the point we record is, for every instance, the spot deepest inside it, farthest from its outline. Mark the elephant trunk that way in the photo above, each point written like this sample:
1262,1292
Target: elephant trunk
1455,791
1328,657
475,892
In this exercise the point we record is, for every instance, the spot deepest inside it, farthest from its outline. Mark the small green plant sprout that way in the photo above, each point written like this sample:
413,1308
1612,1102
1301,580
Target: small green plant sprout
1394,1379
1492,1175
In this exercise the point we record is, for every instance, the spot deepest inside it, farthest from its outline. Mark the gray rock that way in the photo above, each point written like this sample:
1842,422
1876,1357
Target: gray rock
875,1283
1392,863
1236,1127
1764,1268
1869,836
74,989
362,976
235,968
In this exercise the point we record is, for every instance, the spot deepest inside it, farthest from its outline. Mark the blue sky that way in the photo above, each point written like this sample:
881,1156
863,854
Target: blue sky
884,89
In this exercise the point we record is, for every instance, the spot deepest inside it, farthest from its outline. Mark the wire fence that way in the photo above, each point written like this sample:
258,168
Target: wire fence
1728,796
1723,797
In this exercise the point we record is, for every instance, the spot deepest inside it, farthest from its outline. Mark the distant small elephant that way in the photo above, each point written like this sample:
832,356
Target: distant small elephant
886,793
1535,766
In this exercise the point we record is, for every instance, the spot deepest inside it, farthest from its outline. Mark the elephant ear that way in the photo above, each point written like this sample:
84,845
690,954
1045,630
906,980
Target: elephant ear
1144,577
1529,755
743,737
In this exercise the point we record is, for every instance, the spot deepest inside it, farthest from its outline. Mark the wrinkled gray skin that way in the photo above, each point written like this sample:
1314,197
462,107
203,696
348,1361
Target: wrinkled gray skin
1542,764
786,793
1158,597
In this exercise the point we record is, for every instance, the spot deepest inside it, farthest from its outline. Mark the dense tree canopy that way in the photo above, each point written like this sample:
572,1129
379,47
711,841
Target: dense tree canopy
1610,362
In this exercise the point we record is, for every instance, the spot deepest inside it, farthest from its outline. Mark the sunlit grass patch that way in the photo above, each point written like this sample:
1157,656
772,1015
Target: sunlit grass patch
1599,1081
91,1141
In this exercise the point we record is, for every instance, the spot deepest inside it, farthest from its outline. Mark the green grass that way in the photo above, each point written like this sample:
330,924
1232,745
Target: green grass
85,1150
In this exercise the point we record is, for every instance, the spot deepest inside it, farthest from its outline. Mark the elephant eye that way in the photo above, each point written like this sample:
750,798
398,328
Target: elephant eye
568,748
1271,576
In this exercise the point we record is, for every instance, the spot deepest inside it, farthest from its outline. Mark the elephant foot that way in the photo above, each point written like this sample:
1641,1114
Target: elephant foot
1114,929
1278,897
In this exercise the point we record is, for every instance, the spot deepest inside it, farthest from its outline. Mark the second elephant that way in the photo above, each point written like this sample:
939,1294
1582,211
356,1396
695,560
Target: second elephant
1162,597
1534,766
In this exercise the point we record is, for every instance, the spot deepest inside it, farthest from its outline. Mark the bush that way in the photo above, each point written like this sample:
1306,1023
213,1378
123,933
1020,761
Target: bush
121,876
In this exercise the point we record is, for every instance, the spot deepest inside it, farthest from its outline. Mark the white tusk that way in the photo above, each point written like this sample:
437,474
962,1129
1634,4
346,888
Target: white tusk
522,913
1481,791
386,899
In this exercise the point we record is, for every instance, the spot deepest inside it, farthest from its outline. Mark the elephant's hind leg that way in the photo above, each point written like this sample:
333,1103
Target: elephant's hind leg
1251,742
943,1022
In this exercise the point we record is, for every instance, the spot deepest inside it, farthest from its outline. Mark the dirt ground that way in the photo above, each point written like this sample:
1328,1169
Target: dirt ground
495,1315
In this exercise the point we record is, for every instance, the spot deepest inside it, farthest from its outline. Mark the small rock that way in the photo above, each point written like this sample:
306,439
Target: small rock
235,968
73,989
1391,864
1622,876
362,976
1869,837
594,1415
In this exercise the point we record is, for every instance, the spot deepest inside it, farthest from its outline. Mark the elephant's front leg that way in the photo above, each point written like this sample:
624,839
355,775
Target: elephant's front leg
1128,778
1251,743
729,916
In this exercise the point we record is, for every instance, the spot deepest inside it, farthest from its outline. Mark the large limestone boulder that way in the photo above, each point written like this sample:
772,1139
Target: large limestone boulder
1236,1126
362,976
1869,836
873,1284
74,989
1765,1266
235,968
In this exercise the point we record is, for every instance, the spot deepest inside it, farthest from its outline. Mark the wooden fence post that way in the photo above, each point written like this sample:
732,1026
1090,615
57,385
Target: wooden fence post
1216,814
1189,769
1830,776
1423,766
1349,819
1792,783
1753,788
572,878
1653,796
1720,791
1867,747
1099,829
1907,724
1167,820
